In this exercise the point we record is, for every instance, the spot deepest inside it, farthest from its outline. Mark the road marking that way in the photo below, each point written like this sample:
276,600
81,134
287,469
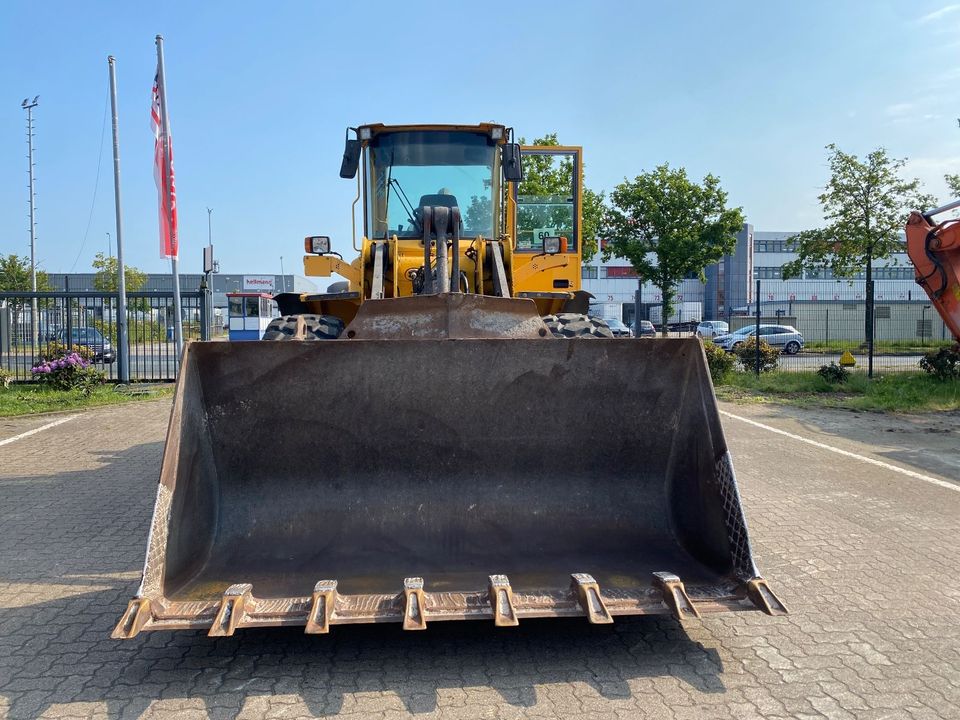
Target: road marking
28,433
847,453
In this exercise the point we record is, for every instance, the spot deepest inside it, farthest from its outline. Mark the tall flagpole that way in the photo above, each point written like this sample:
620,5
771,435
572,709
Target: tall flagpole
167,165
124,349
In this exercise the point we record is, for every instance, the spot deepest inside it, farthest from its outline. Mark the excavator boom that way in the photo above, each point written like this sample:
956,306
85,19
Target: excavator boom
934,250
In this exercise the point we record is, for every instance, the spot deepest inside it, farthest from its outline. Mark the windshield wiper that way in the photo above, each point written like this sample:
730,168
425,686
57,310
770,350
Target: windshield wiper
405,201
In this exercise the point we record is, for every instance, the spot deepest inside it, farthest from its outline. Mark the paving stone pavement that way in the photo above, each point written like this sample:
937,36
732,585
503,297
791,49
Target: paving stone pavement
867,561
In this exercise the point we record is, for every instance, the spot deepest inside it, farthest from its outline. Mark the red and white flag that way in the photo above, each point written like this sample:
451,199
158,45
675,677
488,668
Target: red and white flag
169,244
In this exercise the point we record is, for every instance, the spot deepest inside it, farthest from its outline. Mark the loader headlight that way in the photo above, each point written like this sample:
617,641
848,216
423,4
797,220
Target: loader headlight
551,245
365,133
317,244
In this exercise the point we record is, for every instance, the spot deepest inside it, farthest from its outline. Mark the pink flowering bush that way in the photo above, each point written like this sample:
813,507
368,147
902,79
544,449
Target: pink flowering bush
64,370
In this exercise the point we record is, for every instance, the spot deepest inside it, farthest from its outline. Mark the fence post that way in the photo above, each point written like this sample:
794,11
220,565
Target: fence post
826,330
756,335
870,326
204,319
69,304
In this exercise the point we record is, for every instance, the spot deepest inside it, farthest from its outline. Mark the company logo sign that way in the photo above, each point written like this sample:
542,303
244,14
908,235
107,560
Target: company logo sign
259,283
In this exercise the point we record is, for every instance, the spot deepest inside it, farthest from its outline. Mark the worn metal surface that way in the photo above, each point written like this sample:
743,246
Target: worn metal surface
447,315
592,474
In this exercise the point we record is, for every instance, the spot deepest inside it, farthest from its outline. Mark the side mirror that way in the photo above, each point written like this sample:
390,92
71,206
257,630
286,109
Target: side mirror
351,159
512,164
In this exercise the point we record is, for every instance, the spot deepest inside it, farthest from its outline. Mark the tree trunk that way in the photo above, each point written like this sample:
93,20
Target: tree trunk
668,293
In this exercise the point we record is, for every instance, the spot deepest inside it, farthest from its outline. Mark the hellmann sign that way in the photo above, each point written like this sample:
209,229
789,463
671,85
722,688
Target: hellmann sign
261,283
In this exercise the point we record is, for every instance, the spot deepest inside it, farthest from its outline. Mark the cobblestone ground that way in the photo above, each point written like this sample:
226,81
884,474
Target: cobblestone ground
866,559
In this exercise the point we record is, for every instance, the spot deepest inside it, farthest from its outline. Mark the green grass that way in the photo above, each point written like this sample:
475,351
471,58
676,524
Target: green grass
880,346
30,399
896,392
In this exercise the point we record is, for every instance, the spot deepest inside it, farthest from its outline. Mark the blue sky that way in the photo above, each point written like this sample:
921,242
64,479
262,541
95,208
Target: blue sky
260,93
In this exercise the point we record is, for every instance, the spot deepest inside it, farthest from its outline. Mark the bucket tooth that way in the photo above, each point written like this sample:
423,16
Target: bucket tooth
134,618
321,607
588,595
501,601
231,610
675,596
413,607
764,598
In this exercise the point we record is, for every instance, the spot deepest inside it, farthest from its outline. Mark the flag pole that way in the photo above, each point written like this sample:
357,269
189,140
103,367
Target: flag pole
168,203
122,338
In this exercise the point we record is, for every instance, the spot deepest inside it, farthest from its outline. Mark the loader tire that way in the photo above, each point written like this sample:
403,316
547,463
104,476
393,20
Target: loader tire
574,325
319,327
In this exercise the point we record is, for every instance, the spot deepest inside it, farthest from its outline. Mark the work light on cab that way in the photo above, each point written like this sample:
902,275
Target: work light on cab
317,244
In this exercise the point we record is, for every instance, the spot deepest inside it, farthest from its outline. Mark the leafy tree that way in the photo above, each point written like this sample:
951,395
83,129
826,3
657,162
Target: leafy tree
669,227
15,275
106,279
953,182
865,204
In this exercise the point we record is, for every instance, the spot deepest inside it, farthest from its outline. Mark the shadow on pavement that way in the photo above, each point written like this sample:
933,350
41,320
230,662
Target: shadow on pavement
60,653
73,548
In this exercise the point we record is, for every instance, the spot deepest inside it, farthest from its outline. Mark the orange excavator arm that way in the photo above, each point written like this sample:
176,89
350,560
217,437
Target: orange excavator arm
934,250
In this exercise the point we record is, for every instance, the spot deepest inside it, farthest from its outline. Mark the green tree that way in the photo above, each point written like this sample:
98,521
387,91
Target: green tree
15,275
953,182
865,205
669,227
107,276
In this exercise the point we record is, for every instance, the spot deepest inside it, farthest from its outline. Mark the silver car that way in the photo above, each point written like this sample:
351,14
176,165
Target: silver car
786,337
618,328
712,329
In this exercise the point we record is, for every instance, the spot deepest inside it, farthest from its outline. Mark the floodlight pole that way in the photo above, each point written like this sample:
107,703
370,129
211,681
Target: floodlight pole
34,321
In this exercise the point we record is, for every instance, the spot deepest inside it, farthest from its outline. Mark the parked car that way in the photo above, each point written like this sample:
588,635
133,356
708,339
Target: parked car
90,338
712,328
647,329
786,337
618,328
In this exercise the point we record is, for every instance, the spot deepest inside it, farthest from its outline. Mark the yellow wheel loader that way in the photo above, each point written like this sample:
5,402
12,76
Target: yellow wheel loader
445,434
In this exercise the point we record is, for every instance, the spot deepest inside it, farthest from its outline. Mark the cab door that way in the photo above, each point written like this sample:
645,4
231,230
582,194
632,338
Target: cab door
547,203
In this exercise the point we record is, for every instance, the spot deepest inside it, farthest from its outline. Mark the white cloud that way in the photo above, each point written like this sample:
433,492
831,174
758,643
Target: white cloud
899,109
938,14
931,170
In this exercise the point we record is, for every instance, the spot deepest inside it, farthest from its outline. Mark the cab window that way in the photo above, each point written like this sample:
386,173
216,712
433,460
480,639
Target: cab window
547,199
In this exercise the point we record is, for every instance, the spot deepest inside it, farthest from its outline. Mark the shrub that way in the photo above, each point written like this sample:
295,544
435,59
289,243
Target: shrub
67,371
55,351
719,361
747,355
943,364
834,373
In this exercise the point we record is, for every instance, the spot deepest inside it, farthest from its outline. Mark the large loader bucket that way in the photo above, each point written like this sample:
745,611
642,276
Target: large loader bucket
354,481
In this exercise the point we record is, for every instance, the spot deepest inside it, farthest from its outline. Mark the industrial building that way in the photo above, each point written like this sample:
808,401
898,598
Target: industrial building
824,306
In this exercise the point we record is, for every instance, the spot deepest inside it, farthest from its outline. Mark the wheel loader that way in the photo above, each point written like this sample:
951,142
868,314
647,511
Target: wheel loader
445,433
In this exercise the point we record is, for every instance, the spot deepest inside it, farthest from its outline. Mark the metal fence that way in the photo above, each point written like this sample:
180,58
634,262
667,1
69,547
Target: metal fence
831,315
31,322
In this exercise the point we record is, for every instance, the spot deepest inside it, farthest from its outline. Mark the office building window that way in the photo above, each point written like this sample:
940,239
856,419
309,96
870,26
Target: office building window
767,273
893,273
619,271
783,245
588,272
